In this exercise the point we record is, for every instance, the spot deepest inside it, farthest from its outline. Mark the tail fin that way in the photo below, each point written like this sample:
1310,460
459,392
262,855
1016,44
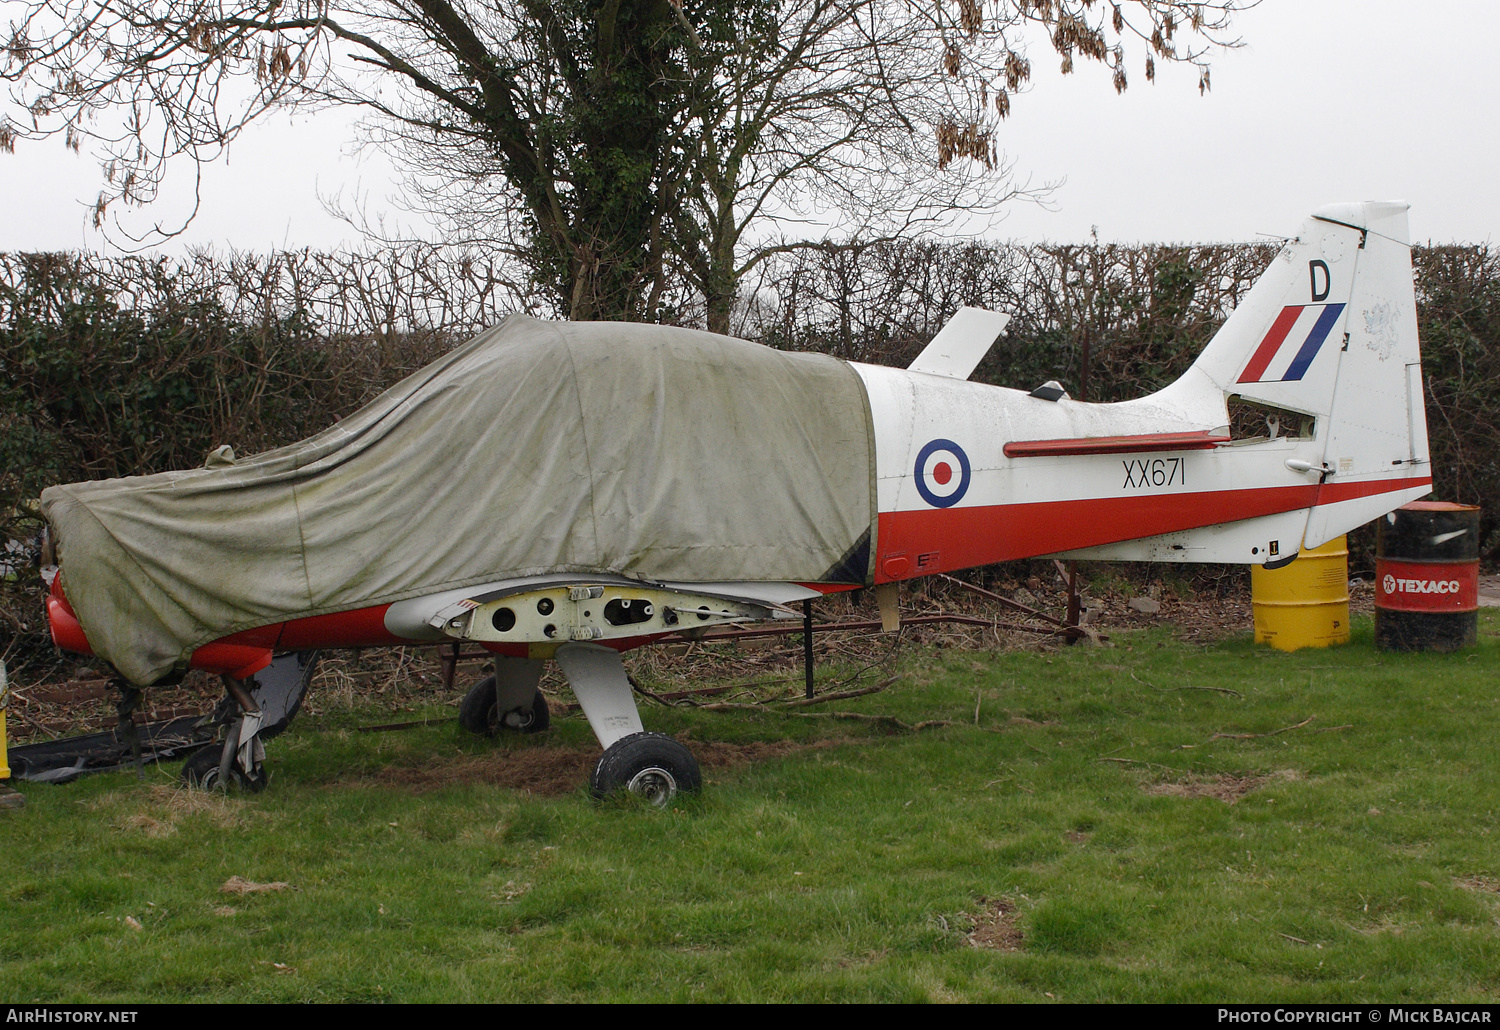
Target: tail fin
1330,330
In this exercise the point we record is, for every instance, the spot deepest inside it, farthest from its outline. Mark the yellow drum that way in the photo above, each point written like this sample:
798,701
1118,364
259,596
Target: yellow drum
4,703
1306,603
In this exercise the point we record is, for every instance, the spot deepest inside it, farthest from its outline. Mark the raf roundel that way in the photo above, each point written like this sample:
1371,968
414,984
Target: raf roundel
942,473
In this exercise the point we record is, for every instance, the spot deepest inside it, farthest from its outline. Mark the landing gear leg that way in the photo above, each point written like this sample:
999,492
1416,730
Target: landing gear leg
650,765
253,710
508,700
242,758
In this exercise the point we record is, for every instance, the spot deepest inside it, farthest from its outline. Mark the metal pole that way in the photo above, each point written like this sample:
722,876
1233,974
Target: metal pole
4,703
807,652
1075,603
448,662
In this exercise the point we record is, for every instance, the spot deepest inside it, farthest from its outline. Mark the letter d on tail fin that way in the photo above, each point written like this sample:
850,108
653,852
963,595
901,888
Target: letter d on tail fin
1280,346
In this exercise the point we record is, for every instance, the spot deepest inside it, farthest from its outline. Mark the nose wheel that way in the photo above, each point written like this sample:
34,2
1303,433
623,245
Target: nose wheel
253,710
202,771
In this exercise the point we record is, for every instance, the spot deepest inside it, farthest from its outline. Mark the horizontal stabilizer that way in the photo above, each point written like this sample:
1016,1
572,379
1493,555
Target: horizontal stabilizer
961,345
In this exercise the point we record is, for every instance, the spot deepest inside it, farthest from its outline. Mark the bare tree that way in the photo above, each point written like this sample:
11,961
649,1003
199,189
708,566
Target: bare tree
637,156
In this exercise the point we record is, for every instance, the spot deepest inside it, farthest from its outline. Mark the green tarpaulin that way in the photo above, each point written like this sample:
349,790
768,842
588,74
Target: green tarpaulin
537,447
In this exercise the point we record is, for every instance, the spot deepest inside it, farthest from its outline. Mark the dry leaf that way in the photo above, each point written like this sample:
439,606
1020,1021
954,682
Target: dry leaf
238,885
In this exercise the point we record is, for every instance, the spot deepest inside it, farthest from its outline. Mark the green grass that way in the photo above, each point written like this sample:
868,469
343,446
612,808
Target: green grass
1357,863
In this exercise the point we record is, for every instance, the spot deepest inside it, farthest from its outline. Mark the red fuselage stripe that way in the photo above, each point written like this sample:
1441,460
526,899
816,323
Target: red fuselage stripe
1332,493
363,627
945,539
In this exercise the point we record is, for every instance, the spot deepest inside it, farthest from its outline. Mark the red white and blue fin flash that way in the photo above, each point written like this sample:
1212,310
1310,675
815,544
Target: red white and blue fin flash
1288,349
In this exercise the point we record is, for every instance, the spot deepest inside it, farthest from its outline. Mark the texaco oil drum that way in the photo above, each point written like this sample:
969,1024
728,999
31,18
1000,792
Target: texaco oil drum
1427,577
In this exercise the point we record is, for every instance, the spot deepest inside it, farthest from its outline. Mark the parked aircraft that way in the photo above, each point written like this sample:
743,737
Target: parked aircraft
569,491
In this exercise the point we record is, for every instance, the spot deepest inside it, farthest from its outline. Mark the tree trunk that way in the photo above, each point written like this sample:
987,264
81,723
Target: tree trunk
720,305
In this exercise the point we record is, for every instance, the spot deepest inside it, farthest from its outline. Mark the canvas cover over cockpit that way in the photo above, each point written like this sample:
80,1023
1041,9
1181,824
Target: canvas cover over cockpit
537,447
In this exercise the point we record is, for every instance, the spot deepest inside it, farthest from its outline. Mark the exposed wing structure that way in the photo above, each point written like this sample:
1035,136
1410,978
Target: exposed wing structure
538,613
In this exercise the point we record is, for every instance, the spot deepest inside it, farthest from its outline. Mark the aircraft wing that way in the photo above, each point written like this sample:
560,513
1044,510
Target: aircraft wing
961,345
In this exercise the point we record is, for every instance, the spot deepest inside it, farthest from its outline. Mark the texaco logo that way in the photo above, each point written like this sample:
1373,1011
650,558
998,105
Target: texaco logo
942,473
1420,586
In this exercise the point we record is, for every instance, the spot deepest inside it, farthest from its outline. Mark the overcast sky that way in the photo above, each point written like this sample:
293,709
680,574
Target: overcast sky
1329,100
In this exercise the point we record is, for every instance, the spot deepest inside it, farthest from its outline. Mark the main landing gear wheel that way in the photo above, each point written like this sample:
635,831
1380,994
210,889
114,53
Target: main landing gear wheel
652,766
202,771
480,713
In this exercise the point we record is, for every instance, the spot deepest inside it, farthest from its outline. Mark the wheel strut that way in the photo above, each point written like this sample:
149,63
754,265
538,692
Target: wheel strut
652,766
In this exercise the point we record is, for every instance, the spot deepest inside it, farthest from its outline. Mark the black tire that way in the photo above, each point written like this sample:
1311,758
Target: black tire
481,715
478,704
201,770
652,766
202,767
